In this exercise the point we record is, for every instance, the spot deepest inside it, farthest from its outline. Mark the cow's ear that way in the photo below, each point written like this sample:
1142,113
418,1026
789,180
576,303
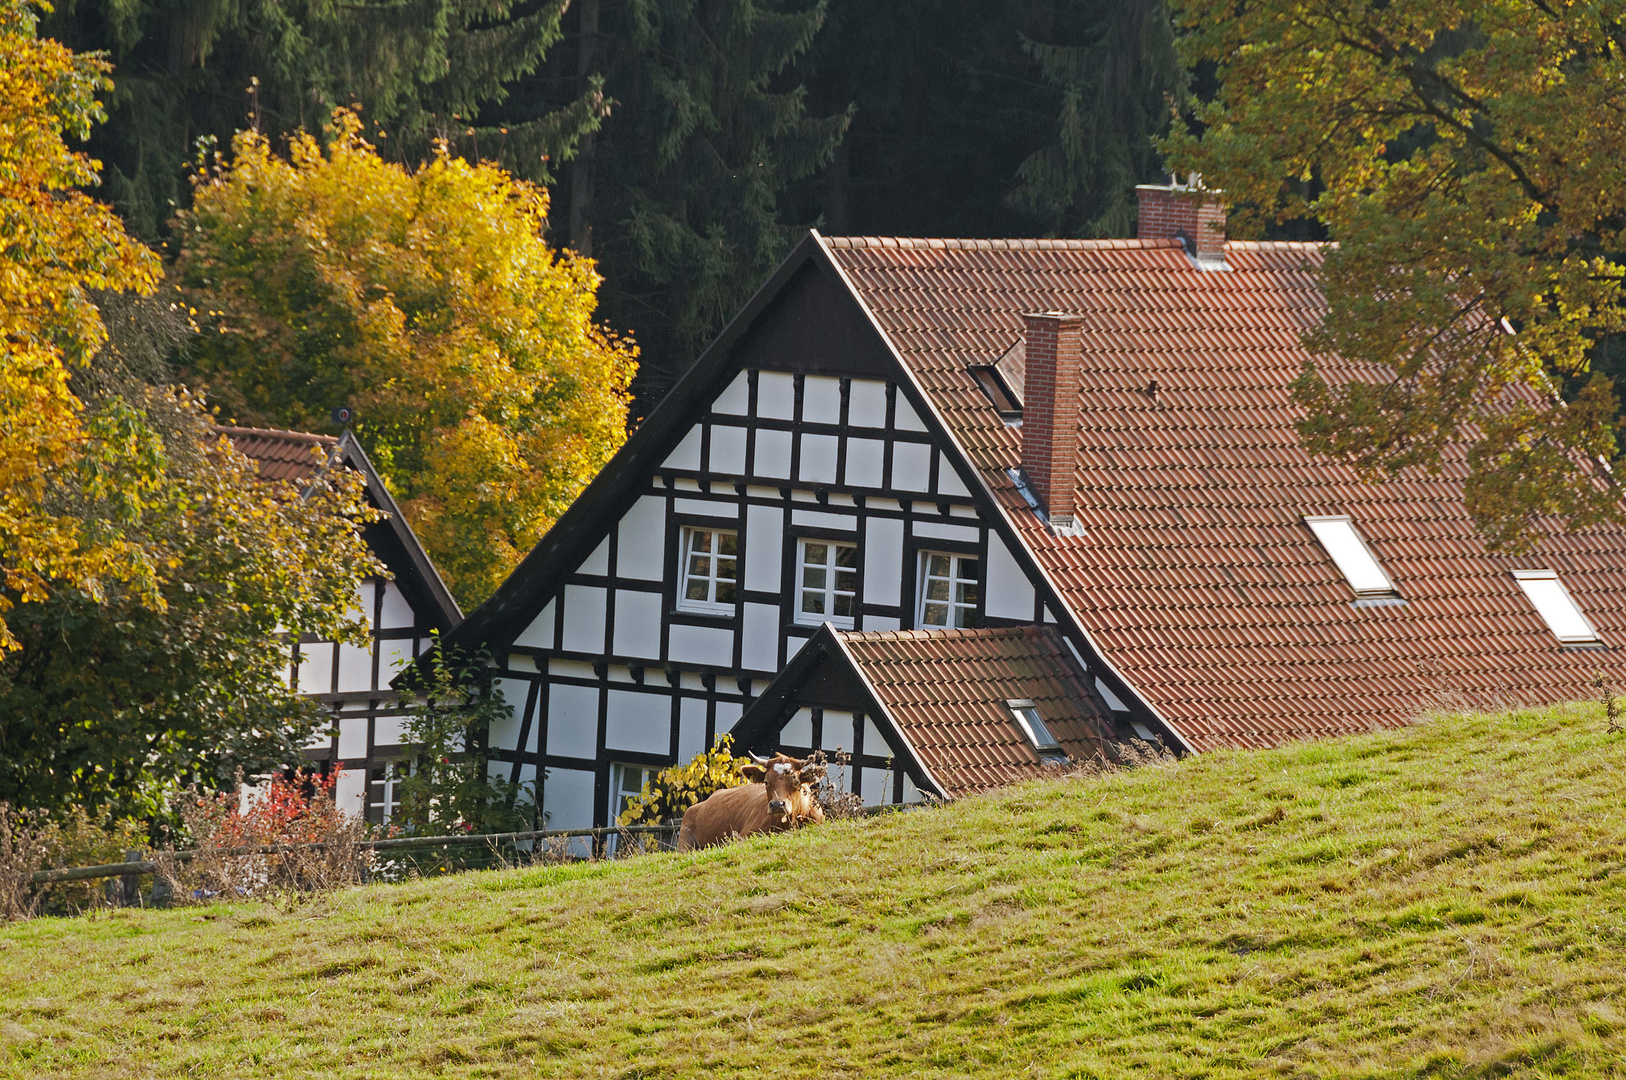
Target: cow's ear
753,773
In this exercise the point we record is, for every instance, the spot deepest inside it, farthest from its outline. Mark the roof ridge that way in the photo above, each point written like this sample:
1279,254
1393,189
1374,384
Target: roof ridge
974,633
994,243
277,433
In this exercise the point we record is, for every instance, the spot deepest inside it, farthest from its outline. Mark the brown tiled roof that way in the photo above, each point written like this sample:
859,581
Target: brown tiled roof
1195,574
946,690
282,455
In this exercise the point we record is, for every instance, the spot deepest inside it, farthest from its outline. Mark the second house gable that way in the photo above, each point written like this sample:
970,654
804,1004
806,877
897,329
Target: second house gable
801,486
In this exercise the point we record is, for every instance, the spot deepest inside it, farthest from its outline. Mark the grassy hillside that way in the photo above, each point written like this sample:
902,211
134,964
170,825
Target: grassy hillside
1445,901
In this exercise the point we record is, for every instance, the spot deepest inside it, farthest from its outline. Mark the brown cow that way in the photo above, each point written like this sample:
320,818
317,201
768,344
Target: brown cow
779,797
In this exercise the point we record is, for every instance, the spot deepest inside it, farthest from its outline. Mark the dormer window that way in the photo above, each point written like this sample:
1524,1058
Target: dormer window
1556,606
1033,726
1355,560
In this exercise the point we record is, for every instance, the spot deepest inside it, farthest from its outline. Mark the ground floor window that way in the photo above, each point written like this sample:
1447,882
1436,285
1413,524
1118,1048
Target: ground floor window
627,783
383,791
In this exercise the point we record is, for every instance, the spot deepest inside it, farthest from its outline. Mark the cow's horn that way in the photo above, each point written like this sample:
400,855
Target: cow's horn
763,761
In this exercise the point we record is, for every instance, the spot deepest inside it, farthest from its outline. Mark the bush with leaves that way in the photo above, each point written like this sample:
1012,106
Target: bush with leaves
676,789
448,788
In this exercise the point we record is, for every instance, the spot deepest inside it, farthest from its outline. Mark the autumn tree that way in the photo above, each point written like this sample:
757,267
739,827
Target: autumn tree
149,579
1469,158
56,244
427,301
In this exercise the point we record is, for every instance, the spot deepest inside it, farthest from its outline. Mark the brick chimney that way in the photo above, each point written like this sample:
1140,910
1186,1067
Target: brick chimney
1053,344
1188,212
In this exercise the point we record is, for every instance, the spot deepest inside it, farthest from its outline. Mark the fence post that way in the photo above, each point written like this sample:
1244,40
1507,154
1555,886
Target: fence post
130,884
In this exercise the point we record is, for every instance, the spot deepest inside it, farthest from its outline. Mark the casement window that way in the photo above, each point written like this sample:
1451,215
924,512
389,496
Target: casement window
383,791
1033,726
1354,559
709,571
1556,606
827,577
946,590
627,784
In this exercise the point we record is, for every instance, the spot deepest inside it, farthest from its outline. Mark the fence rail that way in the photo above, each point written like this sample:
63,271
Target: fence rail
137,867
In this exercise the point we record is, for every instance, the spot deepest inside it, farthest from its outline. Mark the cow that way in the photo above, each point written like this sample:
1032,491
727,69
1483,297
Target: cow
778,797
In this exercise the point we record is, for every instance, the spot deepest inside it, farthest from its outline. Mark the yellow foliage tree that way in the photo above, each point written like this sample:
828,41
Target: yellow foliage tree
429,303
56,243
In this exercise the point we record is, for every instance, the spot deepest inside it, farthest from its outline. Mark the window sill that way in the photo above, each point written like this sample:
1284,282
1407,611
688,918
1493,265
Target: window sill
809,624
707,617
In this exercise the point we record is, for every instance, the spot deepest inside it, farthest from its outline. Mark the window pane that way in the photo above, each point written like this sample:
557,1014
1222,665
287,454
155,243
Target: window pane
969,569
700,540
1359,568
846,580
937,565
813,603
813,577
816,553
725,592
697,589
935,615
1552,601
728,543
937,589
846,555
725,568
966,593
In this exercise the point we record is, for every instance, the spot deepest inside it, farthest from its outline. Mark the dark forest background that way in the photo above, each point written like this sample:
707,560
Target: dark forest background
686,143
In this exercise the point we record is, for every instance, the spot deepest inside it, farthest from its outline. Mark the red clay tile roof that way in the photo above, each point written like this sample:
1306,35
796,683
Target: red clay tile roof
282,455
1195,574
946,690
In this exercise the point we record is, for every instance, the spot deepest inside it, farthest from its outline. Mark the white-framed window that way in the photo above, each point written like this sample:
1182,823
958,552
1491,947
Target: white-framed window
1556,606
383,791
1033,725
946,590
1355,560
710,571
627,783
827,582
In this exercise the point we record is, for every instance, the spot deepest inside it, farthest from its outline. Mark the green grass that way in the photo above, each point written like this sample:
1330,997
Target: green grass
1444,901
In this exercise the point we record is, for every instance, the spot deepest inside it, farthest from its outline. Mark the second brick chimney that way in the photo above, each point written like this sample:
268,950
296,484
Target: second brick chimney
1189,212
1053,343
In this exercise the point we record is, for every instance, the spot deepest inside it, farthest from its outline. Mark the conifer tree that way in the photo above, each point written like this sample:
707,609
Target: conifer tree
202,69
680,199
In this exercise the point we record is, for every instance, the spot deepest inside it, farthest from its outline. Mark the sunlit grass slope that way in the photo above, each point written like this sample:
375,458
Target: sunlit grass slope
1443,901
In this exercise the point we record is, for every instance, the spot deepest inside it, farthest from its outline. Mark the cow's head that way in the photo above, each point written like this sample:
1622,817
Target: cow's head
789,781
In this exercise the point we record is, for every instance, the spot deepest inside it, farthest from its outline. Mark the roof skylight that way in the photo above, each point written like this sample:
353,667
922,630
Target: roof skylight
1555,605
1032,725
1359,566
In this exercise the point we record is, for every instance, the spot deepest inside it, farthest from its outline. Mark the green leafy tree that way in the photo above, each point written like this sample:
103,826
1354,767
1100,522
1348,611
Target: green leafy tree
448,787
195,69
117,701
1470,160
429,302
678,196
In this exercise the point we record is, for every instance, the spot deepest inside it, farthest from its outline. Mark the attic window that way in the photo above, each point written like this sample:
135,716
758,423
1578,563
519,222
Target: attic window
1005,401
1033,725
1555,605
1359,566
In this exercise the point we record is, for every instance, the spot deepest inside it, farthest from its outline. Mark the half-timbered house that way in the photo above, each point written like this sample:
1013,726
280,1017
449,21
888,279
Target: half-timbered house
903,447
403,609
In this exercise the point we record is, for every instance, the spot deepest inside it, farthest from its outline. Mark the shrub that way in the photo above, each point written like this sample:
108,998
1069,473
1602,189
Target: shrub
680,787
290,838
